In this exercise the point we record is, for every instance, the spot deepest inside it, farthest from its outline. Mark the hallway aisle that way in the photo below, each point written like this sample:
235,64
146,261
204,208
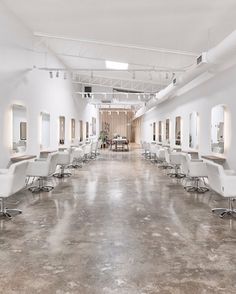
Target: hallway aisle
118,225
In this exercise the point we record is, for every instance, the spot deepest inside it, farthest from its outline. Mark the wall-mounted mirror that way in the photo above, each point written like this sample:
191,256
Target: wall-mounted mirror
19,128
178,130
87,129
94,126
193,130
217,129
81,131
62,130
160,131
167,131
154,131
45,130
72,129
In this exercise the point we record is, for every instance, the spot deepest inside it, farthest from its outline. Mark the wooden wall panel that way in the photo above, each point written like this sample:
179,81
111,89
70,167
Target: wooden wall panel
116,123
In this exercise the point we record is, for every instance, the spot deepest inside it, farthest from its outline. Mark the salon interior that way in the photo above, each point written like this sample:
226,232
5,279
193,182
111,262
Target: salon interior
117,147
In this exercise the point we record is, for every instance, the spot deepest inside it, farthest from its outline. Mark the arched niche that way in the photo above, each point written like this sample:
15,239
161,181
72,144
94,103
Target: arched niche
218,129
178,129
193,130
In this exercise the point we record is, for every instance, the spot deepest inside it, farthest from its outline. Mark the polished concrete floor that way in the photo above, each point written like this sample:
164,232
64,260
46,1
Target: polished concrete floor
118,225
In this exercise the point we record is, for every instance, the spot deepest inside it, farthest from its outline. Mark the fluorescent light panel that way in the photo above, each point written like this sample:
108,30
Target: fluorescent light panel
116,65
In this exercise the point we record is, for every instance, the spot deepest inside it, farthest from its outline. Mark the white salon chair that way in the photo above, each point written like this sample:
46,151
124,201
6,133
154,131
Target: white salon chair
64,161
94,150
160,155
166,162
87,152
142,146
222,182
12,180
153,150
42,169
175,160
147,150
196,173
77,156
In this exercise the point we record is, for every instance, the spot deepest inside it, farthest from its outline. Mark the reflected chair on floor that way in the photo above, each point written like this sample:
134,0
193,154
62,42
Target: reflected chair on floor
42,169
12,180
222,182
87,152
94,150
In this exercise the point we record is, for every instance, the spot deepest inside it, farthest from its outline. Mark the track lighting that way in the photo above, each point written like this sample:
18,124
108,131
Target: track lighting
51,74
57,74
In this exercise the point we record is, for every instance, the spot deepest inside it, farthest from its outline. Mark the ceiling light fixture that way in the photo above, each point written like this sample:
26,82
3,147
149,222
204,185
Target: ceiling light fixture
116,65
51,74
57,74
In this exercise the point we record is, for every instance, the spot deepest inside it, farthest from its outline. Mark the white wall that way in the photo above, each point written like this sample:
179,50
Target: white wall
19,84
219,90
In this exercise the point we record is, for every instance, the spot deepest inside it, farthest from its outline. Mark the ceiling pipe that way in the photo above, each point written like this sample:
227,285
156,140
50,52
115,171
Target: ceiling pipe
224,50
213,59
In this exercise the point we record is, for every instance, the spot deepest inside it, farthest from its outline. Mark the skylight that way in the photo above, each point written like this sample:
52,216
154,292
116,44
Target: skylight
116,65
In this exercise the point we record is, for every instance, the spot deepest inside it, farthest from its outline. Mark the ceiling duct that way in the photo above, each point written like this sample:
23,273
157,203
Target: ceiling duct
223,52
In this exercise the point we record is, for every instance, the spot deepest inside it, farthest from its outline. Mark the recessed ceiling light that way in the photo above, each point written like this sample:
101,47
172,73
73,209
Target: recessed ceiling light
116,65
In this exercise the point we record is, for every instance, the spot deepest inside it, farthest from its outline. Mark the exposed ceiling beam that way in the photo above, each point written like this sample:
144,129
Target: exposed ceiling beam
112,44
101,69
156,67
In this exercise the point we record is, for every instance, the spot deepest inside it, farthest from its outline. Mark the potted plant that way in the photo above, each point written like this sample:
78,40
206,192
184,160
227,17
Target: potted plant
103,138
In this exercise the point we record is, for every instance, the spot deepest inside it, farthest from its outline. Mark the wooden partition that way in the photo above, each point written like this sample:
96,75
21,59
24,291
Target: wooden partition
116,122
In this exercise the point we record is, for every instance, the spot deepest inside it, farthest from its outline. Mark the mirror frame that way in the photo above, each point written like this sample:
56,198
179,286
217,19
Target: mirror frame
197,130
167,139
23,129
62,130
224,107
180,135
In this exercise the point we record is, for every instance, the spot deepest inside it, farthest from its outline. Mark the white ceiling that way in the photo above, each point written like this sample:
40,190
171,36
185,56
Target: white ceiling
182,28
180,25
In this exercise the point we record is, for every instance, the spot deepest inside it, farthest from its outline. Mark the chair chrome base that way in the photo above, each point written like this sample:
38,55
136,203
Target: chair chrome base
164,165
77,165
176,175
226,211
38,189
41,187
62,173
196,188
7,212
